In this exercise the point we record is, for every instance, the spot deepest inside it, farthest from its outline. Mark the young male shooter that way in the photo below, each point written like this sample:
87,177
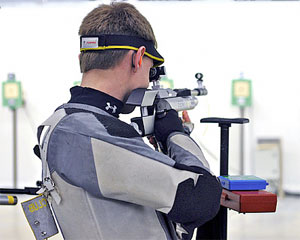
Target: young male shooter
109,184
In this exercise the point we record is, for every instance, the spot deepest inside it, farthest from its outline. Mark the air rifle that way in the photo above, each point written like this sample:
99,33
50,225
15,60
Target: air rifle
155,102
13,200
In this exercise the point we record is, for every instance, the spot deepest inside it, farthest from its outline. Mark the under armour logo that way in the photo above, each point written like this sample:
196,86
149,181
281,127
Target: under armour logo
113,108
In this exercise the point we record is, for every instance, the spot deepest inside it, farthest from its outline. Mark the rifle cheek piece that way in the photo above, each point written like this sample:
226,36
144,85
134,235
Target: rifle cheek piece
127,109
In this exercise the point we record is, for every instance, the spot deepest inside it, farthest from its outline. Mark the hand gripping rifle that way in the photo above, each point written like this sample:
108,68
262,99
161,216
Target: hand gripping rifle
157,101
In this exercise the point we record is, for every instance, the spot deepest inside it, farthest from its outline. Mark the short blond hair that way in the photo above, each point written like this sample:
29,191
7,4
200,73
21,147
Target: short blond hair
116,18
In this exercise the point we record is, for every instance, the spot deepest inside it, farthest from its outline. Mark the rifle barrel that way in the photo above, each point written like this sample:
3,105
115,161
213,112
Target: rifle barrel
26,190
8,200
199,92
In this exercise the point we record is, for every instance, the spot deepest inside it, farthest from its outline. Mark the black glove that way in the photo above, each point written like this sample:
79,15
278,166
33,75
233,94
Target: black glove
165,125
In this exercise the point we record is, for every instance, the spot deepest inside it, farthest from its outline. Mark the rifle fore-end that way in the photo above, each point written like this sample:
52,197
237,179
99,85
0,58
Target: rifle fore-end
176,103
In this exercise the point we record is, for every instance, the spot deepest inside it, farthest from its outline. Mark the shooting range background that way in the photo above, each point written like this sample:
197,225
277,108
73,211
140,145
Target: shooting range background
40,44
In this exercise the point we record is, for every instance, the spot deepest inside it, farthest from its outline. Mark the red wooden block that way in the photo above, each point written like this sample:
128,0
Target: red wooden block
249,201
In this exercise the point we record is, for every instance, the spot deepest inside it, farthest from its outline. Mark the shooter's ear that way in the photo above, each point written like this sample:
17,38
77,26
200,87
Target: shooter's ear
137,58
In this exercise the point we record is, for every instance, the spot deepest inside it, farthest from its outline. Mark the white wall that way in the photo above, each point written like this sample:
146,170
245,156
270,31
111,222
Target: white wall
220,39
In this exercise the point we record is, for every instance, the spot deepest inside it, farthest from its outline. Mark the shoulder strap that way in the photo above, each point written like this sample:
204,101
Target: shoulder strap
51,122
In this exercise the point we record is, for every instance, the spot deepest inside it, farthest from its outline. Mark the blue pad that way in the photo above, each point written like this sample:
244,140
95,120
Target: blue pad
248,182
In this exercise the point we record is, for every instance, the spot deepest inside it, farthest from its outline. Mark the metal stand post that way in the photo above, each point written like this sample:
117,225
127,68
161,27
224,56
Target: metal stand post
217,227
15,178
242,171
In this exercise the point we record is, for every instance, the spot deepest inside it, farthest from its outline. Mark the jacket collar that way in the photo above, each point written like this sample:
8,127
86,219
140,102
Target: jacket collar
97,99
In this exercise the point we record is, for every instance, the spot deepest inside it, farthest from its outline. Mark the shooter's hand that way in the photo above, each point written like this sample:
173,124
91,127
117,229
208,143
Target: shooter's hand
166,125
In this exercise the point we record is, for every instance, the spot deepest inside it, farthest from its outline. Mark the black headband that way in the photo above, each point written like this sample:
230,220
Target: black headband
105,42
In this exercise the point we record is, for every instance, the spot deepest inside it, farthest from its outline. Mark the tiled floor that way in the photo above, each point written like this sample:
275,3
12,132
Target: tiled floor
282,225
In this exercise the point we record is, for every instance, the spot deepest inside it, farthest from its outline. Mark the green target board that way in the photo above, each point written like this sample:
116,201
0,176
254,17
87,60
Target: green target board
166,82
241,92
12,93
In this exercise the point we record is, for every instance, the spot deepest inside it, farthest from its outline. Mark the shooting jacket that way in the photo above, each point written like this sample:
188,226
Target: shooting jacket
113,186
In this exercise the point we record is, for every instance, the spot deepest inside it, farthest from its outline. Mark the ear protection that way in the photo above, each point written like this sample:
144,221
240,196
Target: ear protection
140,61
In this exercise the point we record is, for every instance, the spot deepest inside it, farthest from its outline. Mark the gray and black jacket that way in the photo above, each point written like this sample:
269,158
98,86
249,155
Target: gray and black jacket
113,186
